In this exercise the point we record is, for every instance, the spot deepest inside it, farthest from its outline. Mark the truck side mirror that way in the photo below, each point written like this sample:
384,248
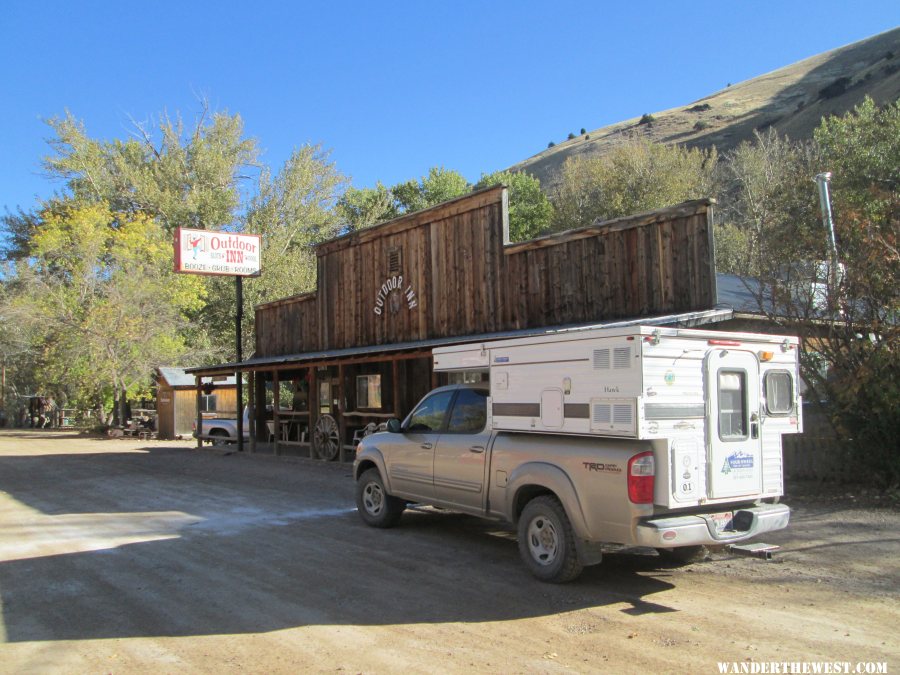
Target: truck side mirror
393,426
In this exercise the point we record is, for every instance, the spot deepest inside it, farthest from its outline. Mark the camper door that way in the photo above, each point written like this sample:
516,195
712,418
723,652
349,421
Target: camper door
734,443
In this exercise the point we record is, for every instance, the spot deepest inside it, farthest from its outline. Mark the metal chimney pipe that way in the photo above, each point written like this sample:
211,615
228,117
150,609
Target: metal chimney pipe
822,180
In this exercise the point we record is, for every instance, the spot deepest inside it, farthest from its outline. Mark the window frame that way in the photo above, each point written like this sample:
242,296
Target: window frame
745,404
408,421
368,379
791,397
481,392
204,403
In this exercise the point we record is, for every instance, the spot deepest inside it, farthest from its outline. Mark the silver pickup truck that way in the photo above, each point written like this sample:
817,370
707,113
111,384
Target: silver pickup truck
221,429
566,495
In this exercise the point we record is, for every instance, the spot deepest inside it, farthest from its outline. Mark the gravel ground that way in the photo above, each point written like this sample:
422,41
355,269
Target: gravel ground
125,556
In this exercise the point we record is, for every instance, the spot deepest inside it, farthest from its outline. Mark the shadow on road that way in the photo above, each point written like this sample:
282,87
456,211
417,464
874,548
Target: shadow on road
237,545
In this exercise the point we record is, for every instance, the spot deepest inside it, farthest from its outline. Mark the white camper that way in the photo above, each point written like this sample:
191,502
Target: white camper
715,404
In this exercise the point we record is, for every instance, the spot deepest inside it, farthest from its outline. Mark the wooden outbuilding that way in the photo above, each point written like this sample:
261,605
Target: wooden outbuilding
176,400
358,349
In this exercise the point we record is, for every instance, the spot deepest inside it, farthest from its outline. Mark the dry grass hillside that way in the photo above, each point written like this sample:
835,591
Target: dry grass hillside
792,99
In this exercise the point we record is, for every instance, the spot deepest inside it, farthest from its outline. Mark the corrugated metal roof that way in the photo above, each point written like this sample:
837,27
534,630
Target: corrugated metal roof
686,320
742,294
178,377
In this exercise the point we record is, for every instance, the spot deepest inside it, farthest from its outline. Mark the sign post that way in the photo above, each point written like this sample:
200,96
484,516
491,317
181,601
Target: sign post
222,254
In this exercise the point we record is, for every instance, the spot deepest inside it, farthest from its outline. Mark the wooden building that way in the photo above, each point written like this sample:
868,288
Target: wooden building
358,349
176,400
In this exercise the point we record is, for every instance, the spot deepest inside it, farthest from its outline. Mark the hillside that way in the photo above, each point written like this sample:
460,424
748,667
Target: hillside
792,99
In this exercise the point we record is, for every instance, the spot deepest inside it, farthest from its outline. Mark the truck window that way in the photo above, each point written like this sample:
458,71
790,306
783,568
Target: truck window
779,392
429,416
469,412
732,405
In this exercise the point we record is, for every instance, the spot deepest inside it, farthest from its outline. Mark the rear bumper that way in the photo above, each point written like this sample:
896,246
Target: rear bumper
672,531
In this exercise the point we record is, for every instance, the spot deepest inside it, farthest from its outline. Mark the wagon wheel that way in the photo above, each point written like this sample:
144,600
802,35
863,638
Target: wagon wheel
326,438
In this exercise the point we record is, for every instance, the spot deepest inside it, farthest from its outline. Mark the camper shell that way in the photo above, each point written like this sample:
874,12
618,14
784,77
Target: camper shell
712,404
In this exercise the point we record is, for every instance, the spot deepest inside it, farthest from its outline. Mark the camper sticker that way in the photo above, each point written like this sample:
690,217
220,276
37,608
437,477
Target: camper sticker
737,461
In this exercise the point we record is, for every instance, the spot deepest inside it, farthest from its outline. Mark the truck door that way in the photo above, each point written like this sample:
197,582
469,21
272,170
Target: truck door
734,445
411,458
459,457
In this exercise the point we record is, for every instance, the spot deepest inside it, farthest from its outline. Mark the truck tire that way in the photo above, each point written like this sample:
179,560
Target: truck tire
547,542
218,437
376,507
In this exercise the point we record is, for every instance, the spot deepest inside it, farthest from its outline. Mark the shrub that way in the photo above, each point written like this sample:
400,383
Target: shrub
647,118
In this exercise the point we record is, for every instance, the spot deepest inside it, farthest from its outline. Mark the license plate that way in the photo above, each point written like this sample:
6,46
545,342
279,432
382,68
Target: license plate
722,521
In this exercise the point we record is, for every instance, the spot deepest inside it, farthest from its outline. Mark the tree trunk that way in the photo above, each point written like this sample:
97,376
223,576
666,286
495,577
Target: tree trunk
123,403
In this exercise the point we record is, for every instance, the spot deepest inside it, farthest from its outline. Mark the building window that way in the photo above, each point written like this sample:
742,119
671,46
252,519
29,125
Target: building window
368,391
207,403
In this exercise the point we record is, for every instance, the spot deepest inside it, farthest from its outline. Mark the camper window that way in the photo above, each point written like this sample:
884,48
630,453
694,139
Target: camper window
732,405
779,392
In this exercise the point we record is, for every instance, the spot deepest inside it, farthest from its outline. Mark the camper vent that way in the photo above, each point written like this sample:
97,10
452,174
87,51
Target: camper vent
614,416
603,413
622,414
395,260
622,357
601,359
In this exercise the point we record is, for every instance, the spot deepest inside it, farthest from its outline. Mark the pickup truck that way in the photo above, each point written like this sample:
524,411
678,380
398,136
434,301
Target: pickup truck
567,495
222,430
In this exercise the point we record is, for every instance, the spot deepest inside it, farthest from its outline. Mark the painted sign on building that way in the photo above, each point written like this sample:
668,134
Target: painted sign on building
225,253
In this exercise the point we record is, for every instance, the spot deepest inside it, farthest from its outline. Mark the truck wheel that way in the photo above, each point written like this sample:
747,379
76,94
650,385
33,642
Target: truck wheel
547,542
376,507
219,437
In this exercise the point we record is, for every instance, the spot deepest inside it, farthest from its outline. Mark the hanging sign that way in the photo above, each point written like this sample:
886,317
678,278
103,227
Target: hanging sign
225,253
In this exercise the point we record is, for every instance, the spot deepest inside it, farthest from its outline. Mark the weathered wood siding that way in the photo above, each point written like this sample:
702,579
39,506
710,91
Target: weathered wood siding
460,278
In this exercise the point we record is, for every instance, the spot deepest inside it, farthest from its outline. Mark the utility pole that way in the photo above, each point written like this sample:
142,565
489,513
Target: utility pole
239,292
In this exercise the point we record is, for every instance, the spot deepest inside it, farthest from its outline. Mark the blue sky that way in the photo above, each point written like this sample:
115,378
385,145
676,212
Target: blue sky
391,88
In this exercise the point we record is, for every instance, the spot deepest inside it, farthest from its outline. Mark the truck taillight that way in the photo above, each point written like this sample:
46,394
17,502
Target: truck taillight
641,477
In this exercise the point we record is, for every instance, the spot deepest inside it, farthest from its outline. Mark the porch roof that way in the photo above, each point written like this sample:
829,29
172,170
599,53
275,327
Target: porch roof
405,349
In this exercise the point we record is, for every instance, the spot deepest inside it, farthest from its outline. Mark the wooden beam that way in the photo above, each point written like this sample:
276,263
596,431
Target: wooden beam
276,405
395,366
684,210
197,380
342,424
454,207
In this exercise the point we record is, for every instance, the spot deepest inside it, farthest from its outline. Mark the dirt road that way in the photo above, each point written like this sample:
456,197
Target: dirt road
120,556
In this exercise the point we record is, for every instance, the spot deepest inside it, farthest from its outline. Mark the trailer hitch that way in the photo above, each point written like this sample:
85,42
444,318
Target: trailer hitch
763,551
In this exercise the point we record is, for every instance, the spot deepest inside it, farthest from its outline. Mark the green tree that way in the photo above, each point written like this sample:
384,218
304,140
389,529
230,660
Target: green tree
846,314
102,288
184,177
530,212
634,177
437,186
292,211
769,200
361,208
